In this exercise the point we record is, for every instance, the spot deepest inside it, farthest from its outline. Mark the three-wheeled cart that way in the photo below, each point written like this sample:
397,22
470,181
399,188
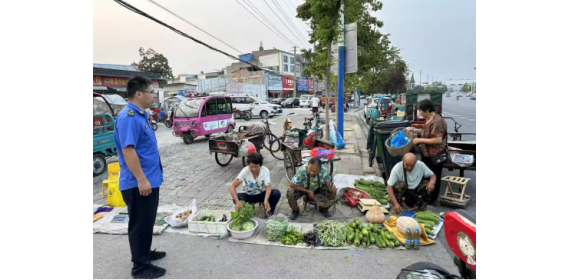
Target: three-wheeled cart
226,146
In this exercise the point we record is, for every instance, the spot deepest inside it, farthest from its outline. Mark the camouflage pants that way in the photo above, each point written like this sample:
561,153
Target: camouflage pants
402,194
293,196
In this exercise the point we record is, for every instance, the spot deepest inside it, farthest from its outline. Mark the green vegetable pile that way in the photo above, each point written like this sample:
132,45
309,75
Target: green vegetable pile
292,237
375,189
332,233
370,234
428,219
276,228
242,218
207,219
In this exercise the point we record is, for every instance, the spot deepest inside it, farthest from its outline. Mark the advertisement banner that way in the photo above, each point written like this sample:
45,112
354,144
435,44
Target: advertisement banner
302,85
310,85
288,82
274,82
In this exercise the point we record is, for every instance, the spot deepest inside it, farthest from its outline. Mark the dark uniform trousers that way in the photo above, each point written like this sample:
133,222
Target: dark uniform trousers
142,216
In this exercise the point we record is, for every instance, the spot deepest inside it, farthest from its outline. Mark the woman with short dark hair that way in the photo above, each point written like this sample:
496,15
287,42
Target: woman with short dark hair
433,140
256,184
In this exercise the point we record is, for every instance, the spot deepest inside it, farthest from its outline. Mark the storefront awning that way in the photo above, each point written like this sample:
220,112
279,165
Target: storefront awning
99,88
123,89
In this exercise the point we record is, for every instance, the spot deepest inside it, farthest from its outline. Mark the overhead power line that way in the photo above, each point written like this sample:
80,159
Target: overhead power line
262,16
287,18
172,13
134,9
284,24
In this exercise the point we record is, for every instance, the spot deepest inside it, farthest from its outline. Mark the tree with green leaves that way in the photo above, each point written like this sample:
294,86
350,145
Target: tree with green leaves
153,62
466,87
373,46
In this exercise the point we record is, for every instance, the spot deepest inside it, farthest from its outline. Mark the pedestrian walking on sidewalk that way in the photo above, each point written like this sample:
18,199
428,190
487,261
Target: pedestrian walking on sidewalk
141,175
315,103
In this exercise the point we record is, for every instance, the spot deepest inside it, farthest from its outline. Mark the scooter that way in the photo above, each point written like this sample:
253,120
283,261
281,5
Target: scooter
460,232
154,120
168,120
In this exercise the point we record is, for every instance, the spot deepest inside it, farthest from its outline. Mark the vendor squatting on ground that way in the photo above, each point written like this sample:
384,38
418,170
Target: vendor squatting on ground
312,178
256,182
407,184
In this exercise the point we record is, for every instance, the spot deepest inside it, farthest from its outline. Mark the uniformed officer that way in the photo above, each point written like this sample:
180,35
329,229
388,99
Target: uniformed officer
141,175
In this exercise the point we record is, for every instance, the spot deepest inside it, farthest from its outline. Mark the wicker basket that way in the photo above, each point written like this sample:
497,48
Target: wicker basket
401,151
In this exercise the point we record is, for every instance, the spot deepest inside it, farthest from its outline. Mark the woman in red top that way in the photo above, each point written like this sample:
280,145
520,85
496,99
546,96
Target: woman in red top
433,136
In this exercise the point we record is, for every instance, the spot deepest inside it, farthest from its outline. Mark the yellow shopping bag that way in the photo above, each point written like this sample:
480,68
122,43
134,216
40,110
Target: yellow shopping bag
111,187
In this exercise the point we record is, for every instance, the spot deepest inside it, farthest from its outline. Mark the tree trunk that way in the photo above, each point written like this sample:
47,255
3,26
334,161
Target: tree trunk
327,76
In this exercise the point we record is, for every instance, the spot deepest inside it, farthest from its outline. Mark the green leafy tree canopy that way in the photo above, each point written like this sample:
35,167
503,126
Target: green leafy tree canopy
153,62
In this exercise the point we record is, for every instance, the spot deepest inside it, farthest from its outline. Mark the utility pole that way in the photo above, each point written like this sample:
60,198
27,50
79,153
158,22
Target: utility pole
420,77
428,78
340,93
295,71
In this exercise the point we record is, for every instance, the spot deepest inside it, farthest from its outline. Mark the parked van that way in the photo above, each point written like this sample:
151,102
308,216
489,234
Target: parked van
202,116
260,107
305,100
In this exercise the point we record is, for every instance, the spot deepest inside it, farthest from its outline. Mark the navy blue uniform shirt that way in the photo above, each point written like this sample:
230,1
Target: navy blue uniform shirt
132,128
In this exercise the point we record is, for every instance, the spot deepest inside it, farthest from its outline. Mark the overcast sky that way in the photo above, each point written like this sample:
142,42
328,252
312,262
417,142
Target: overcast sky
436,36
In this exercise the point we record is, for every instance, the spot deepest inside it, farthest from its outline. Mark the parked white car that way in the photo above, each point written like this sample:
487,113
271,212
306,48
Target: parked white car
304,100
260,107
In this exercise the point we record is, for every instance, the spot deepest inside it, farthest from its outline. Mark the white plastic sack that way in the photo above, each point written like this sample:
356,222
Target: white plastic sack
244,148
178,223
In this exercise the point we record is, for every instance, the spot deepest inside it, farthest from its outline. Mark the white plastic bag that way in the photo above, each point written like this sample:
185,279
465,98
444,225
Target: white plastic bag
179,223
244,148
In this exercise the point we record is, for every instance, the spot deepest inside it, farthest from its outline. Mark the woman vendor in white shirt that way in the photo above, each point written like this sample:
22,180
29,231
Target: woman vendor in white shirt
256,185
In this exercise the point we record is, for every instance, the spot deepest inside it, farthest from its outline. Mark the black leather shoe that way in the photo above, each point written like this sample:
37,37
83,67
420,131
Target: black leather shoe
149,272
156,255
294,215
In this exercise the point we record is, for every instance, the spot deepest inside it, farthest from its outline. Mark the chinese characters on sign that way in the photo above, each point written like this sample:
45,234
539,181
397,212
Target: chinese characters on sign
288,82
115,81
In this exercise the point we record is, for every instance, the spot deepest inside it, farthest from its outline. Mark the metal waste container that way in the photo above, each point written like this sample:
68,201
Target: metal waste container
382,132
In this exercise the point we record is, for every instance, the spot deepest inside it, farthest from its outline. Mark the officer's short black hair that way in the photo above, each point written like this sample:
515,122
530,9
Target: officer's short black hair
255,158
426,105
137,83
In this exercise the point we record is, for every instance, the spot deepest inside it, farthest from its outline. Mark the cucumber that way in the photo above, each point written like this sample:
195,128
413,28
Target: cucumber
429,231
427,217
373,238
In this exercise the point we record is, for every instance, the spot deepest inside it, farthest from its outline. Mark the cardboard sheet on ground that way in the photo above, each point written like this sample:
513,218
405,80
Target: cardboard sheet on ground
346,181
260,238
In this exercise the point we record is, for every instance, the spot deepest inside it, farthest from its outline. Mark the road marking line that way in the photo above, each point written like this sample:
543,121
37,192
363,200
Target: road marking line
471,120
462,117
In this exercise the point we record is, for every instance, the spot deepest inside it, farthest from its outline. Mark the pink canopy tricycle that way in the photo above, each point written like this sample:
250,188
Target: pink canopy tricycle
202,116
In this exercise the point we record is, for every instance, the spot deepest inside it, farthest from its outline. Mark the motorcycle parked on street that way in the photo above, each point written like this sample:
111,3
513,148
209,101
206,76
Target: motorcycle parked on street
245,114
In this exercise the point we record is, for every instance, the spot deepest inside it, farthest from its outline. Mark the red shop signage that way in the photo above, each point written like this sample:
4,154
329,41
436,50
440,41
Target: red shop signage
109,81
288,82
115,81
